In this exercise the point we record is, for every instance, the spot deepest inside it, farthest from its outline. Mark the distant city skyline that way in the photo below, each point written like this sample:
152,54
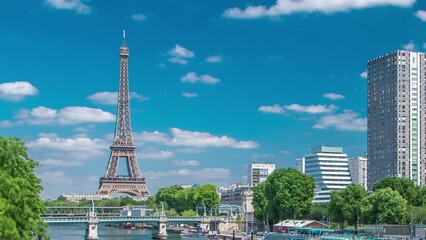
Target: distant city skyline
214,85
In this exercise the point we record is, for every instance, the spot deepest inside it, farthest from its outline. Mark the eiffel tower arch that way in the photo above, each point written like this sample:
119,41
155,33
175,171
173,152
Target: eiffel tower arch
122,148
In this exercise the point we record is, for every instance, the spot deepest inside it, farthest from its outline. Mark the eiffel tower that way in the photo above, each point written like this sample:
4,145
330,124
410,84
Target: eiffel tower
122,148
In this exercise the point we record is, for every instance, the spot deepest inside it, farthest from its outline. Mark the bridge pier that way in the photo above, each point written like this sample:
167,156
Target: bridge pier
162,228
205,223
92,229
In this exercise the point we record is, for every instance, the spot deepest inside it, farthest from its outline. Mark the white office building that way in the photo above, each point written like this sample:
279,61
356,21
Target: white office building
358,170
329,168
259,172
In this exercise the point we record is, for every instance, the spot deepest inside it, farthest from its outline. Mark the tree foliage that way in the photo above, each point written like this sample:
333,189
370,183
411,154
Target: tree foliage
260,203
183,199
405,187
345,205
384,206
20,204
287,193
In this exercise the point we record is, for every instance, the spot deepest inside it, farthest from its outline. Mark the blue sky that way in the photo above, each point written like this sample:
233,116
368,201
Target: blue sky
216,84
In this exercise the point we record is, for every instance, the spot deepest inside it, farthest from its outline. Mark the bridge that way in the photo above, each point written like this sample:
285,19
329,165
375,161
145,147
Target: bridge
111,215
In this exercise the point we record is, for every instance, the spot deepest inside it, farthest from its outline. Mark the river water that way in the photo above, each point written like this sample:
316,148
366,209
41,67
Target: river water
104,233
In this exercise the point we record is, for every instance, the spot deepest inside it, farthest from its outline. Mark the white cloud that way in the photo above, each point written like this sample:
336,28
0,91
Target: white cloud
285,151
192,77
110,98
204,139
348,120
409,46
421,14
271,109
178,60
205,173
189,94
138,17
185,162
154,154
312,109
153,137
191,139
178,54
65,116
214,59
17,91
333,96
59,163
5,124
287,7
364,74
68,144
76,5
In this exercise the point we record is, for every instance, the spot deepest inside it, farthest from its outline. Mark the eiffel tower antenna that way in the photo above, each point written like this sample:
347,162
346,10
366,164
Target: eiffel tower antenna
122,148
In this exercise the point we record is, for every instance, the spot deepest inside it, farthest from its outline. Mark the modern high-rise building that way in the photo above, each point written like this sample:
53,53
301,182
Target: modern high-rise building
329,168
259,172
396,116
358,170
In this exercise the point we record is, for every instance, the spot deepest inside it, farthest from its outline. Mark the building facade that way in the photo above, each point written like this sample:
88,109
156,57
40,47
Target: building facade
73,197
396,120
237,194
358,170
329,168
259,172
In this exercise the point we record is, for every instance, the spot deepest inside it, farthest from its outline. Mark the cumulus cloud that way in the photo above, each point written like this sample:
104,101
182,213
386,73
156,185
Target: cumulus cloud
204,139
287,7
76,5
347,120
364,74
5,124
185,162
65,116
195,175
155,154
190,139
311,109
276,108
409,46
179,54
189,94
421,14
214,59
333,96
138,17
53,142
17,91
192,77
110,98
59,163
151,137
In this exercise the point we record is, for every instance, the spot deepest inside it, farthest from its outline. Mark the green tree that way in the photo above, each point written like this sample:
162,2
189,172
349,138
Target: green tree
289,193
319,212
168,195
336,206
20,204
260,203
384,206
206,194
405,187
353,196
188,213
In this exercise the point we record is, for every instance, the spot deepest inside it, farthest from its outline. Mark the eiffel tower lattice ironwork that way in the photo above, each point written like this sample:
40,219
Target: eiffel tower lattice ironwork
123,148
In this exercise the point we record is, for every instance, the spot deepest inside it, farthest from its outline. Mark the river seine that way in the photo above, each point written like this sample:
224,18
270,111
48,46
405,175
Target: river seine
104,233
